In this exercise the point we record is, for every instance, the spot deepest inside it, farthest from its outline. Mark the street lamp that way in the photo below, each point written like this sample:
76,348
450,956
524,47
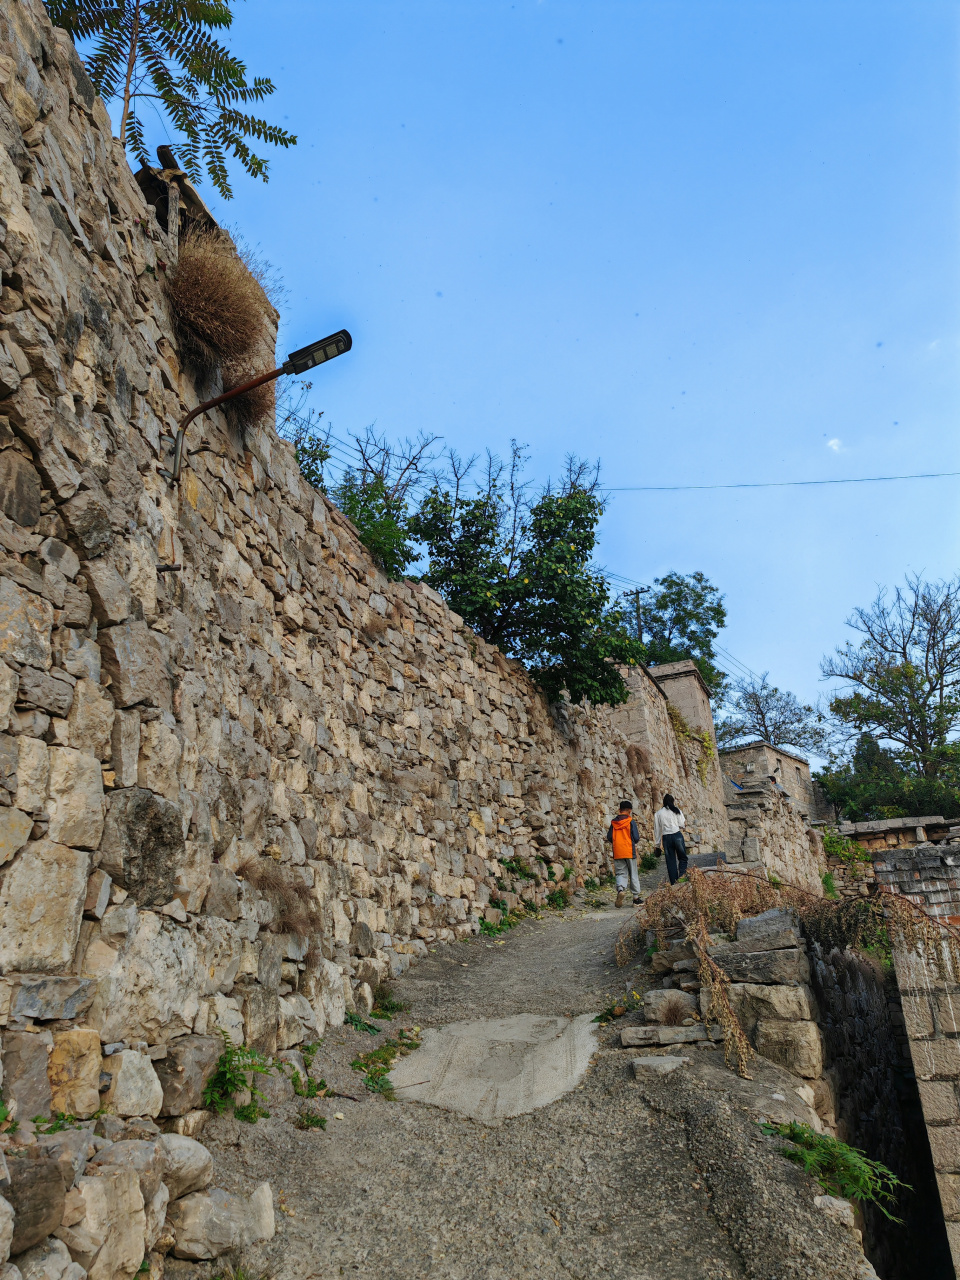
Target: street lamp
297,362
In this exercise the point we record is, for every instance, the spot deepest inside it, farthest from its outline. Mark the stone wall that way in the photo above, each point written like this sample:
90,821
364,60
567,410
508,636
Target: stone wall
930,991
668,753
243,777
869,1098
770,832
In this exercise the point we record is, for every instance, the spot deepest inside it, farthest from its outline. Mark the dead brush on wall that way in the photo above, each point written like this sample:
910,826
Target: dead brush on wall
253,407
295,910
219,309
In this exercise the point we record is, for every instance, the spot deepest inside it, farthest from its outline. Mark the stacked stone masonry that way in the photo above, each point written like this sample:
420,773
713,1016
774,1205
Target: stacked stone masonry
770,833
243,777
930,993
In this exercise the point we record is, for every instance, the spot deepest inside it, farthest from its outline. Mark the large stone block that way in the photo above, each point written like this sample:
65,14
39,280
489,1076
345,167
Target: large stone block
134,660
261,1017
223,896
114,1213
134,1088
37,1193
160,751
9,684
125,743
654,1002
76,798
48,1260
25,625
19,488
109,592
144,1158
41,904
143,845
776,967
87,515
794,1045
37,689
207,1224
945,1147
91,719
73,1070
188,1164
15,828
752,1001
33,774
44,997
183,1073
25,1081
153,994
71,1148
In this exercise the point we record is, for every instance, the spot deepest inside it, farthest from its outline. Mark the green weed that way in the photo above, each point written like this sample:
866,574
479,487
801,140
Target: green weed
559,898
309,1051
516,868
309,1121
57,1124
384,1005
232,1075
840,1170
376,1064
829,885
360,1024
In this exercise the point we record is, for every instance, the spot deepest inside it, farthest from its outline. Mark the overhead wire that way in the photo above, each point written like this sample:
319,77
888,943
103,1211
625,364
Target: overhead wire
772,484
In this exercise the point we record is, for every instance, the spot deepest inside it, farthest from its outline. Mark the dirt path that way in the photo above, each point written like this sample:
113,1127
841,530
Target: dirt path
600,1183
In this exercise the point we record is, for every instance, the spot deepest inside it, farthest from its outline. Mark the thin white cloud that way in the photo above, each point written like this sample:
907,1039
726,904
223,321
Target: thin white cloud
834,444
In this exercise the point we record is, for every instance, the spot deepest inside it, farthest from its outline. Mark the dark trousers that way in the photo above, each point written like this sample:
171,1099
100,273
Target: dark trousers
674,852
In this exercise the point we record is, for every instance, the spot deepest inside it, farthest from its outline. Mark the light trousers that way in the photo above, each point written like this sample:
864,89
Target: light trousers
625,869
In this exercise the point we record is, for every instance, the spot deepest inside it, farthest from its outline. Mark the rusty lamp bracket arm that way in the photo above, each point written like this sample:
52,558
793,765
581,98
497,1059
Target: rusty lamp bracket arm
297,362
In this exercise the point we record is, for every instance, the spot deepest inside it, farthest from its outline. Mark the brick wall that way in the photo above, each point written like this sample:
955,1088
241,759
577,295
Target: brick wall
930,876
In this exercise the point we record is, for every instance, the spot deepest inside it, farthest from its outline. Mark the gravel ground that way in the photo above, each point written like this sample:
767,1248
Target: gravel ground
666,1180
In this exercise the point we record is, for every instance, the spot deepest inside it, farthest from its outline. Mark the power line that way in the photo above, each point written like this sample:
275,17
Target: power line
774,484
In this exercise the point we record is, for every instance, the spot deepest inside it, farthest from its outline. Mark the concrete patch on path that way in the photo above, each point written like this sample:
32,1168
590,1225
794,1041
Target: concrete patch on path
498,1068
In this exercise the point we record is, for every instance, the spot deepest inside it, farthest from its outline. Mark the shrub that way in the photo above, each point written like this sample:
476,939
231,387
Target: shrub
674,1011
232,1075
218,308
840,1170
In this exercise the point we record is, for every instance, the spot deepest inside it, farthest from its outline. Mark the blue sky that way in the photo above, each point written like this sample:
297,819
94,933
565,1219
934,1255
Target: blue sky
705,242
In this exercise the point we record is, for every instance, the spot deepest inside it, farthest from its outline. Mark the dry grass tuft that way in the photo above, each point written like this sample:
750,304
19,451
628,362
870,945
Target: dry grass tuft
673,1012
219,308
295,908
253,407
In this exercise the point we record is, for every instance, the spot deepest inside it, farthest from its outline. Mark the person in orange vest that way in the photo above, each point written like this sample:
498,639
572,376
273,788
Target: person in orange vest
624,835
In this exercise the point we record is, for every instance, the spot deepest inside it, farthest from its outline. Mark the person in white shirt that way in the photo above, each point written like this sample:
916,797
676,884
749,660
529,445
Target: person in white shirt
668,824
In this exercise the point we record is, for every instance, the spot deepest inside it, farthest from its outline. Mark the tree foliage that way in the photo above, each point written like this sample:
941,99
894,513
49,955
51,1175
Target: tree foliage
163,52
759,709
902,680
872,783
519,570
680,617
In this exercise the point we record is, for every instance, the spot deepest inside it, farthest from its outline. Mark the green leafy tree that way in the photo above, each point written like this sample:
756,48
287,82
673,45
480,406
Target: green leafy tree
873,783
901,682
680,617
759,709
520,572
163,52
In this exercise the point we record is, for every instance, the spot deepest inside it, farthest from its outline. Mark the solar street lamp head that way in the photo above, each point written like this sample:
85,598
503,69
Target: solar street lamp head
318,352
